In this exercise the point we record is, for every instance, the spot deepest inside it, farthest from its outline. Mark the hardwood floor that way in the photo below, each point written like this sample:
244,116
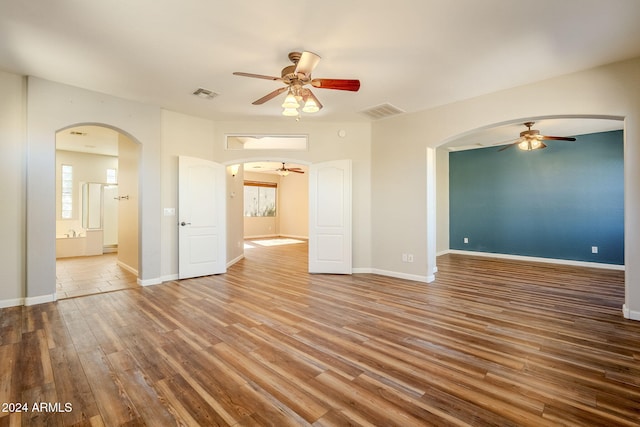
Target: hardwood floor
488,343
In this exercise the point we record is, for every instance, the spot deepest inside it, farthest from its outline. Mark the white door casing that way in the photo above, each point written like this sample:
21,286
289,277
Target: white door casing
201,217
330,227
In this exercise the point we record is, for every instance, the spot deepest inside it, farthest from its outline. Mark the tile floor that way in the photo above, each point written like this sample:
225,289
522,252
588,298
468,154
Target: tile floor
91,275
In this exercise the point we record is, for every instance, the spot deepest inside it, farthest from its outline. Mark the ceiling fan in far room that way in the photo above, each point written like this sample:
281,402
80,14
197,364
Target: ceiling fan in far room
284,171
295,77
531,139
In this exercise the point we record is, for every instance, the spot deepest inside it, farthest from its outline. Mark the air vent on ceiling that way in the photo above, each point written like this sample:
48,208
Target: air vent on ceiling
76,133
382,111
205,93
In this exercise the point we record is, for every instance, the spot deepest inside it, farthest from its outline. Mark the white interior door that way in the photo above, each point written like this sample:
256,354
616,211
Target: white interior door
330,217
201,218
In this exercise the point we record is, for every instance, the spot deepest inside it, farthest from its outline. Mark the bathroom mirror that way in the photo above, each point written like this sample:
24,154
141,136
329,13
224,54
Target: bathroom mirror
91,205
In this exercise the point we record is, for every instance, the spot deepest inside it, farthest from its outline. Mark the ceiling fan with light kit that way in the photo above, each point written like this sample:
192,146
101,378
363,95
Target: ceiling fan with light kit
295,77
284,171
531,139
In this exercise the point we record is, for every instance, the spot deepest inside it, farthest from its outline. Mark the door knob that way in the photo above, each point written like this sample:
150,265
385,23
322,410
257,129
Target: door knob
185,223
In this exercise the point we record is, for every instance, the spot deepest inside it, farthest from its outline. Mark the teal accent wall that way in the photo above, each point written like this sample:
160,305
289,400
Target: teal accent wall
552,203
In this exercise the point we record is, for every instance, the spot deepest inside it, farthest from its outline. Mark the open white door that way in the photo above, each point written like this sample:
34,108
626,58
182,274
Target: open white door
201,218
330,217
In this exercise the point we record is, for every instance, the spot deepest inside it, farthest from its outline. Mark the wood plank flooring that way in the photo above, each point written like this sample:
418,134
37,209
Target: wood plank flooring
490,342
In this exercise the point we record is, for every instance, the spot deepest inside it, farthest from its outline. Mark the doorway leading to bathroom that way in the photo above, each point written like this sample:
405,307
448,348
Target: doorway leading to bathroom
96,211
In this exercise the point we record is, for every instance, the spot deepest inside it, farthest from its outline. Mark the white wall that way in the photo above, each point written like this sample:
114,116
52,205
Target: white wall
129,204
442,200
12,176
50,108
294,205
235,215
182,135
399,218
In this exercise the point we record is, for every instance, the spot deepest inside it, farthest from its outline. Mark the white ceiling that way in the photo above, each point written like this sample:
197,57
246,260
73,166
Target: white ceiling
413,54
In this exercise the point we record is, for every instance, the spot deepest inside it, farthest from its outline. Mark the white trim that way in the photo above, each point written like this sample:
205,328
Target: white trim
127,267
537,259
14,302
362,270
149,282
236,259
262,236
39,299
630,314
405,276
293,236
169,278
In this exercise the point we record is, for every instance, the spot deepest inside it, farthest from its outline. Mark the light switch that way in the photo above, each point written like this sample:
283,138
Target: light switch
169,211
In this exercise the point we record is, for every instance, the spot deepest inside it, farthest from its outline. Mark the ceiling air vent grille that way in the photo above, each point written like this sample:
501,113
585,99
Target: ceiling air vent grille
205,93
382,111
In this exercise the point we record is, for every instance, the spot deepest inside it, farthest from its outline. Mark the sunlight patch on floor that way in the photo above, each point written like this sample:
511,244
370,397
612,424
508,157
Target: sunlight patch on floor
276,242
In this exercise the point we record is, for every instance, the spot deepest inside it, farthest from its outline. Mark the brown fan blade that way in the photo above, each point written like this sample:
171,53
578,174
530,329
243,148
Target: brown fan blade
257,76
339,84
306,94
306,63
270,96
295,170
558,138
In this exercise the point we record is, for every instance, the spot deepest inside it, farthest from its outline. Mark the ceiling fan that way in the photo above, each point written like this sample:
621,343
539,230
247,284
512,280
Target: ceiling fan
531,139
284,171
295,77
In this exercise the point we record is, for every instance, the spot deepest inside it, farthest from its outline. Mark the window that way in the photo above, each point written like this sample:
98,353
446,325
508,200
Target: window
260,198
267,142
66,198
112,177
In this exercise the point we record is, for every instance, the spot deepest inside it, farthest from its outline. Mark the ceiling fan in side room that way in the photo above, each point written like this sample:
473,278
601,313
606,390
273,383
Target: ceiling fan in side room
531,139
295,77
284,171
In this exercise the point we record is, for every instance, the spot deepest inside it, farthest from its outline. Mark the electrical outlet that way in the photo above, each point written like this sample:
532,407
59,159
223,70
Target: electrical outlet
594,249
410,258
466,240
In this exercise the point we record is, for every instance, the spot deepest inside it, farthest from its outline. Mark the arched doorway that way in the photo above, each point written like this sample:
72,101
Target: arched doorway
96,210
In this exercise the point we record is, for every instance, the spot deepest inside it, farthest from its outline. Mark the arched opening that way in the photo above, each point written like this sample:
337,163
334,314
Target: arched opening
97,210
492,137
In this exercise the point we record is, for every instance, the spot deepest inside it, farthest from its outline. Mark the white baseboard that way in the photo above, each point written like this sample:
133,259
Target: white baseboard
293,236
406,276
630,314
39,299
169,278
236,259
537,259
149,282
262,236
127,267
13,302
